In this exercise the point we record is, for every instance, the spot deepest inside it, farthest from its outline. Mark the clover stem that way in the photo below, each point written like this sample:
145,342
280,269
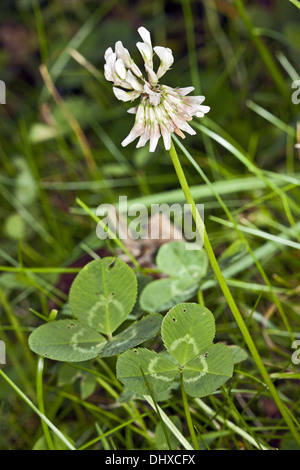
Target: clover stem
227,294
188,415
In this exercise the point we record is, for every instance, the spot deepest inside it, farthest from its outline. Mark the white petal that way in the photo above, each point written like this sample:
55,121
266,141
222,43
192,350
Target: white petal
121,83
108,52
204,109
173,100
109,67
140,114
146,52
108,73
121,69
145,135
199,115
153,142
125,95
186,90
194,99
145,35
134,68
144,138
152,75
154,98
122,53
133,134
154,137
187,128
178,120
159,115
132,110
166,59
138,128
166,137
133,81
168,108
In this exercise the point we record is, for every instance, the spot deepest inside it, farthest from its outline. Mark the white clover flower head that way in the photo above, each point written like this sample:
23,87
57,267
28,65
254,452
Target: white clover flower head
162,110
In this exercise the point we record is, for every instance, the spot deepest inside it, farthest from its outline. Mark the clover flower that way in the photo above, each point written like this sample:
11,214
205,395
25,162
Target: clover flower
162,110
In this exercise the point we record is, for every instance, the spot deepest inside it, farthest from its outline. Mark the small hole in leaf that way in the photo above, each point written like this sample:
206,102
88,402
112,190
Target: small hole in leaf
112,293
112,264
184,310
174,320
135,351
45,355
206,354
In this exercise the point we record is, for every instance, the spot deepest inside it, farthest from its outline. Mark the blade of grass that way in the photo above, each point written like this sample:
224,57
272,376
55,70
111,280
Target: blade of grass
296,3
56,431
258,233
169,424
78,39
112,431
40,400
13,320
212,414
252,254
230,300
82,140
263,51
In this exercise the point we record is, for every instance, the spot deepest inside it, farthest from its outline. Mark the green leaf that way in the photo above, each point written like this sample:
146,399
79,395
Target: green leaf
176,260
87,385
207,372
163,294
41,443
160,437
66,340
142,281
289,443
238,353
103,294
187,330
134,335
158,371
67,375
